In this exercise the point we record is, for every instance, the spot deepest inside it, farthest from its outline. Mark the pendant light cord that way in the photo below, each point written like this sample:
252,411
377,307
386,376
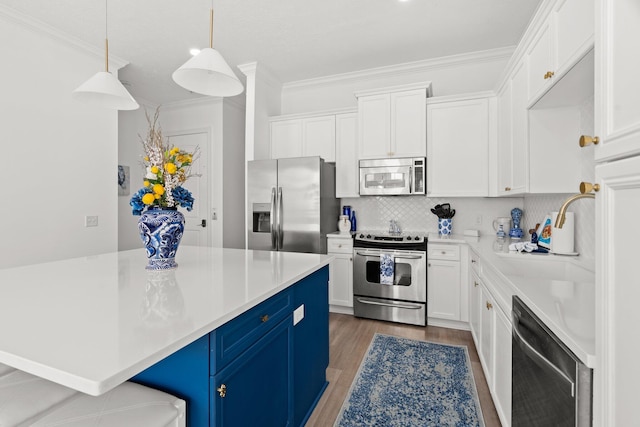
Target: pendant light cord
211,26
106,37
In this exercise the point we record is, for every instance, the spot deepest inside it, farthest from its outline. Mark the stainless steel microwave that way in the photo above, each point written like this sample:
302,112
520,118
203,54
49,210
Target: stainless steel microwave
393,177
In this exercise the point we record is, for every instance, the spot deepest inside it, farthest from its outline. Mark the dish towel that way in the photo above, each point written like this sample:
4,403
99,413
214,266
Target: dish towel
523,246
387,266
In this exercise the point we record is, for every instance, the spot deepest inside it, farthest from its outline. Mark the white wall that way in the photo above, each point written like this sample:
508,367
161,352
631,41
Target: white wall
60,156
450,75
131,124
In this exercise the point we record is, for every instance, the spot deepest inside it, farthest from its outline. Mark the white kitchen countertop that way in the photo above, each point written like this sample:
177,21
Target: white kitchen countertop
559,289
92,323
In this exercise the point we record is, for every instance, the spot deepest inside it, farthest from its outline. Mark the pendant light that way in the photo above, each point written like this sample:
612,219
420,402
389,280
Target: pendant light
104,89
208,73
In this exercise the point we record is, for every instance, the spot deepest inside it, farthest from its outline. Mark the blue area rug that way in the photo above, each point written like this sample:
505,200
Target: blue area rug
403,382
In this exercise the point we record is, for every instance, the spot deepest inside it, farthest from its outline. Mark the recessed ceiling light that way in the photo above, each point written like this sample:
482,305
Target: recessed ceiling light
194,52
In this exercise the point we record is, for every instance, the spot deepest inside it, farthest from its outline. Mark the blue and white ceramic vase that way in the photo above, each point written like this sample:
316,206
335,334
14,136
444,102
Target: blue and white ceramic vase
161,230
444,226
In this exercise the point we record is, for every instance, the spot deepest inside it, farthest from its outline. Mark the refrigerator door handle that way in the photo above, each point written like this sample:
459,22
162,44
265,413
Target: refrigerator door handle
272,214
280,209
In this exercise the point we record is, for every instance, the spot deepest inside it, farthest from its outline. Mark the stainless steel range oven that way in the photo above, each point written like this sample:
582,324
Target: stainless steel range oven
404,298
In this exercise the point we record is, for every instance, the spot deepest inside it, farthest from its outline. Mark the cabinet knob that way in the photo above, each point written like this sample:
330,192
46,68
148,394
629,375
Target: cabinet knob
548,75
507,188
489,305
587,187
588,140
264,318
429,265
339,245
473,261
222,390
475,284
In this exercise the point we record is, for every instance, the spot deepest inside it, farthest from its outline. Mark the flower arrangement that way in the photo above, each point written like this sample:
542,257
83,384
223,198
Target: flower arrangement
167,168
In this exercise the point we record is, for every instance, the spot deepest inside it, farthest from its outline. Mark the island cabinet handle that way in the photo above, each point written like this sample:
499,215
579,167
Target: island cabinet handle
222,390
264,318
489,305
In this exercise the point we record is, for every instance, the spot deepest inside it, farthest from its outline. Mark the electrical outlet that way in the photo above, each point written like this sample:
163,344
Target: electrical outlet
479,219
91,221
298,314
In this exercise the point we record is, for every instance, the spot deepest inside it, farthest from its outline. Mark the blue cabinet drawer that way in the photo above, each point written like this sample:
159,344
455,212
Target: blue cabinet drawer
237,335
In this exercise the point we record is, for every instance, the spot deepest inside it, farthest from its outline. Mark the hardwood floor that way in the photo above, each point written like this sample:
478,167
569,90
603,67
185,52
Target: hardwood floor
349,339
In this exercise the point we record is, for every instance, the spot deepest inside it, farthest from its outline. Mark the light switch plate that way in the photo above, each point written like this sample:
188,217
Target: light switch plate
298,314
91,221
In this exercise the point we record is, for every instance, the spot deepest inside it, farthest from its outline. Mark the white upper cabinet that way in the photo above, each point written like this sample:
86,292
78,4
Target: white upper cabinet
564,37
286,139
392,122
617,82
459,130
347,174
540,57
304,136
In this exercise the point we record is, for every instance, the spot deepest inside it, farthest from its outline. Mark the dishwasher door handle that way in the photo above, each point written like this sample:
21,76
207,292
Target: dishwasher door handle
528,348
390,304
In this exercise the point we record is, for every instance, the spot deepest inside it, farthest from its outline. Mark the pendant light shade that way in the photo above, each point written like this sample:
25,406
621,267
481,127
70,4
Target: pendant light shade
208,73
104,89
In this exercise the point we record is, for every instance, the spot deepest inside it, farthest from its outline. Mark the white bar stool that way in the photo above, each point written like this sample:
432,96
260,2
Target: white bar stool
27,400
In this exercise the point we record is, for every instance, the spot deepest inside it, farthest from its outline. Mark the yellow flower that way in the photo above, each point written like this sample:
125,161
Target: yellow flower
170,168
146,158
146,183
157,196
148,198
154,169
174,151
158,189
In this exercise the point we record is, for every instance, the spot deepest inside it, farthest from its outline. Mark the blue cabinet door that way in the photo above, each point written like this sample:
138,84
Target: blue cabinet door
256,389
311,343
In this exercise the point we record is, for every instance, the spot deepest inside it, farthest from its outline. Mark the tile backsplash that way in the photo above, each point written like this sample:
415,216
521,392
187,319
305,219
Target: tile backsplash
413,213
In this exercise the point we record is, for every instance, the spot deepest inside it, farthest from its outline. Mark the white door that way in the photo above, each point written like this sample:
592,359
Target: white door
197,222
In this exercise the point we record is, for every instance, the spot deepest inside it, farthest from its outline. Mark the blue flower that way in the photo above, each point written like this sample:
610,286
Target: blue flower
136,201
183,197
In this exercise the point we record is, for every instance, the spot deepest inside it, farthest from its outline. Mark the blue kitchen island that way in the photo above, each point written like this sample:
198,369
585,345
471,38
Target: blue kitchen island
241,336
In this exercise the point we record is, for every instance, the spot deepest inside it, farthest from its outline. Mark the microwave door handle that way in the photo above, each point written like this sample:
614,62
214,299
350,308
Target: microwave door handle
280,220
272,214
411,181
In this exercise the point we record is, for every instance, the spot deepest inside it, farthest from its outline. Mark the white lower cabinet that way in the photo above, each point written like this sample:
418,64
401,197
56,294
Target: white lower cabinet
502,367
340,272
491,331
447,298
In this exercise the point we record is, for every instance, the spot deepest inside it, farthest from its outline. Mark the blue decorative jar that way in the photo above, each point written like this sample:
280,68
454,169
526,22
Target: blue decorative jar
161,230
444,226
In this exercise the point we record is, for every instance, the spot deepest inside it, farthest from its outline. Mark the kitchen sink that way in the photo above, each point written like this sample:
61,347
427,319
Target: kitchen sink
544,266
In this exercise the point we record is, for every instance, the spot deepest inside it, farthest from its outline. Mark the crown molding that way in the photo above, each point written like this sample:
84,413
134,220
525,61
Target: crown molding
406,68
47,30
207,101
261,73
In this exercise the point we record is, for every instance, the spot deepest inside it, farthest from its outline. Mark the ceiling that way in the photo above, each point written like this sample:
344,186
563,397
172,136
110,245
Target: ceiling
294,39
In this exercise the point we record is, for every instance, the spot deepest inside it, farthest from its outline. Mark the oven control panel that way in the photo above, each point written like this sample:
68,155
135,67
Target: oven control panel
407,241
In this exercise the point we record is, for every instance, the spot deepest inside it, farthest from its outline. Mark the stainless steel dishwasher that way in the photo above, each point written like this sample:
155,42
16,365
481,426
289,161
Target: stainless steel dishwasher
551,386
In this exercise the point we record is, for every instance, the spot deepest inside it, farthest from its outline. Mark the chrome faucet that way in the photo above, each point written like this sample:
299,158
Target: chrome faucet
585,193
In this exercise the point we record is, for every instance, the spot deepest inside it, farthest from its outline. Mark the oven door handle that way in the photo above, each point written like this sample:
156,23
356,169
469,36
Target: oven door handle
377,254
390,304
528,348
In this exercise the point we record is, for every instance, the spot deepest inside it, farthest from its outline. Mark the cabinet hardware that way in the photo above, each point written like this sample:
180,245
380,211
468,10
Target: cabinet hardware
443,253
587,140
489,305
475,284
222,390
548,75
507,188
350,259
587,187
473,261
429,265
264,318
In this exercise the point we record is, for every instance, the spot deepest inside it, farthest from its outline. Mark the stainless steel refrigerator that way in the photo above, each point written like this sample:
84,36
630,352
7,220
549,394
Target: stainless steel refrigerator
292,204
